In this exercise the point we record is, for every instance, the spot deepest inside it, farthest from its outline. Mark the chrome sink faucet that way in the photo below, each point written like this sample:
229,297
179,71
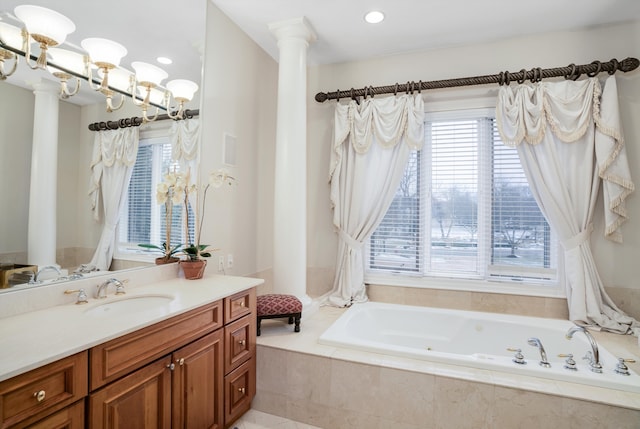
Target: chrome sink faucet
36,279
594,355
543,354
101,292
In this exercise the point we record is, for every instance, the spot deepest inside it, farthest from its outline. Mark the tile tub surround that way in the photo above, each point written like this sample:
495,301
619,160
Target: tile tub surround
333,388
522,305
39,336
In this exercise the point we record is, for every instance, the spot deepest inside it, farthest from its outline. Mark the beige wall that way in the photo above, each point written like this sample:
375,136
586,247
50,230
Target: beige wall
239,98
617,263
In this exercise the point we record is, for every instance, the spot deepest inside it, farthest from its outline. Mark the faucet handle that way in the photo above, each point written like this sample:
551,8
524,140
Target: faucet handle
82,296
594,365
519,357
622,368
120,286
569,363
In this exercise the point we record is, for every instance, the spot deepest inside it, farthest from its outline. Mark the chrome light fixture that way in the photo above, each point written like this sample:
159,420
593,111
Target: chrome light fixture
10,36
106,55
121,80
183,91
148,77
45,26
98,63
68,61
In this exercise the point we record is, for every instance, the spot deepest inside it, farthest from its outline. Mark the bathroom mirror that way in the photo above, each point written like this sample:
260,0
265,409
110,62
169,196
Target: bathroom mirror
167,29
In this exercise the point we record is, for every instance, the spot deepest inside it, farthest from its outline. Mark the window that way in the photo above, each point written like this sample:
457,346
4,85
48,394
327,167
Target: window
464,210
142,219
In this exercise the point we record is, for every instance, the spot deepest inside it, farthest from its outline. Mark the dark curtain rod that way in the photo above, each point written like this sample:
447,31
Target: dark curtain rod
536,74
136,121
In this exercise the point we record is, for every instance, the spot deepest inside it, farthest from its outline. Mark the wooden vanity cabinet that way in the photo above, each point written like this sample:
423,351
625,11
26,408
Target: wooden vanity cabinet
205,351
194,370
45,395
240,354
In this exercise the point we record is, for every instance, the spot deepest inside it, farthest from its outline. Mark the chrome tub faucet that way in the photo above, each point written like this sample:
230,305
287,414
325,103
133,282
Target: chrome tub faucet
592,356
46,268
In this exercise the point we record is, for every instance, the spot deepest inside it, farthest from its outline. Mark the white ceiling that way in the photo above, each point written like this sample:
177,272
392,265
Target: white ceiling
417,25
147,29
176,29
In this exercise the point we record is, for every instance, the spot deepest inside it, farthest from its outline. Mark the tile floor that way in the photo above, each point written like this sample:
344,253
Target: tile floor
258,420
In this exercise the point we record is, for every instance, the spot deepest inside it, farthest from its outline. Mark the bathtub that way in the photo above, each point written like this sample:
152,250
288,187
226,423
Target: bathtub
473,339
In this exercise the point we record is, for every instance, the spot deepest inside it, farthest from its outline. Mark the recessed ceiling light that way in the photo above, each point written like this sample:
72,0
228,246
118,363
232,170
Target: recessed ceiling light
374,17
164,60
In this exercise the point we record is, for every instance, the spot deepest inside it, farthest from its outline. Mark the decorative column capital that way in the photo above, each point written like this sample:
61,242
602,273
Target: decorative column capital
45,86
296,28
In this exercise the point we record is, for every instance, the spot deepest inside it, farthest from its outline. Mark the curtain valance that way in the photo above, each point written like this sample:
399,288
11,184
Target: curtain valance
184,139
569,109
389,119
110,147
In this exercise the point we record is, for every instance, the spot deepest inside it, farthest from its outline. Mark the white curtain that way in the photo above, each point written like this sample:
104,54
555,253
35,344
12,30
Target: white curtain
184,144
114,155
372,143
569,139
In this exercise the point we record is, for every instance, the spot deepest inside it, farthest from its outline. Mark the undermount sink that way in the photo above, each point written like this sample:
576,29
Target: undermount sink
129,304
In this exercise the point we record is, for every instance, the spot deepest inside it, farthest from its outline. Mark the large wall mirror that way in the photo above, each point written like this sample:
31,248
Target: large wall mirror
149,30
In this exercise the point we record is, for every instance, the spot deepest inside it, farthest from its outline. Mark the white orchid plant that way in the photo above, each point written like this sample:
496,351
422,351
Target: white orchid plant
171,191
196,250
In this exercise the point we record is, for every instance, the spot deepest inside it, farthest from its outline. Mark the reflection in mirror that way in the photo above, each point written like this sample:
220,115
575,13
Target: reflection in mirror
76,232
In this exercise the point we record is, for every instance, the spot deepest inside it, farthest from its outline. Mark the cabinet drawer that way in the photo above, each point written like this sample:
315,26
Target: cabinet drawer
239,305
123,355
239,342
44,390
71,417
240,388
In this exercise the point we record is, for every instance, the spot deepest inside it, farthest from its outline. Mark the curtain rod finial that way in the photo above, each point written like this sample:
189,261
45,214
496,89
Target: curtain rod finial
321,97
629,64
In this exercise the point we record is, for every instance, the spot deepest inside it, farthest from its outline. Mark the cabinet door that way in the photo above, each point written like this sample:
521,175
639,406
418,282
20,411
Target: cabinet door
198,384
141,400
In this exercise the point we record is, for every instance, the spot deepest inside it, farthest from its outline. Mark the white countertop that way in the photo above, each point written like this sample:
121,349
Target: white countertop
35,338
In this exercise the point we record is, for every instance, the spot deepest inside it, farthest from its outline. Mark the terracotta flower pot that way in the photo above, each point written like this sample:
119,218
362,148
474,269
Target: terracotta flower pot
163,260
193,269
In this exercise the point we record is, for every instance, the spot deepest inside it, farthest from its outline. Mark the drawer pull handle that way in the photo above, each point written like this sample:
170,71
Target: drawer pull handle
241,390
241,303
242,342
40,395
180,361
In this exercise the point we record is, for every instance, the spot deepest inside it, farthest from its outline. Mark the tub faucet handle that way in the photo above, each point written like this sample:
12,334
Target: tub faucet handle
594,365
569,363
519,357
622,368
535,342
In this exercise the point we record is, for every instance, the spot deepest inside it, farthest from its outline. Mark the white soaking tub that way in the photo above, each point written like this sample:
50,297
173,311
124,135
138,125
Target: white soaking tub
474,339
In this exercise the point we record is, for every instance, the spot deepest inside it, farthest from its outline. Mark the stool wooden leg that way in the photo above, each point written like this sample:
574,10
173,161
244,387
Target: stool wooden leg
290,320
297,321
258,330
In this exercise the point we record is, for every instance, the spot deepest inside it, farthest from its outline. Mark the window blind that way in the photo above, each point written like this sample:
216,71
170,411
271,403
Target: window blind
464,209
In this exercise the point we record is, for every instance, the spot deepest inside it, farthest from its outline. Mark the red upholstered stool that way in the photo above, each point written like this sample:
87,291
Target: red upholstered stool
278,306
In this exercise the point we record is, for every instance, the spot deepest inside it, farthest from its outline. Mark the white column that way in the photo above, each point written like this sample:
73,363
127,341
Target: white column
44,175
290,204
